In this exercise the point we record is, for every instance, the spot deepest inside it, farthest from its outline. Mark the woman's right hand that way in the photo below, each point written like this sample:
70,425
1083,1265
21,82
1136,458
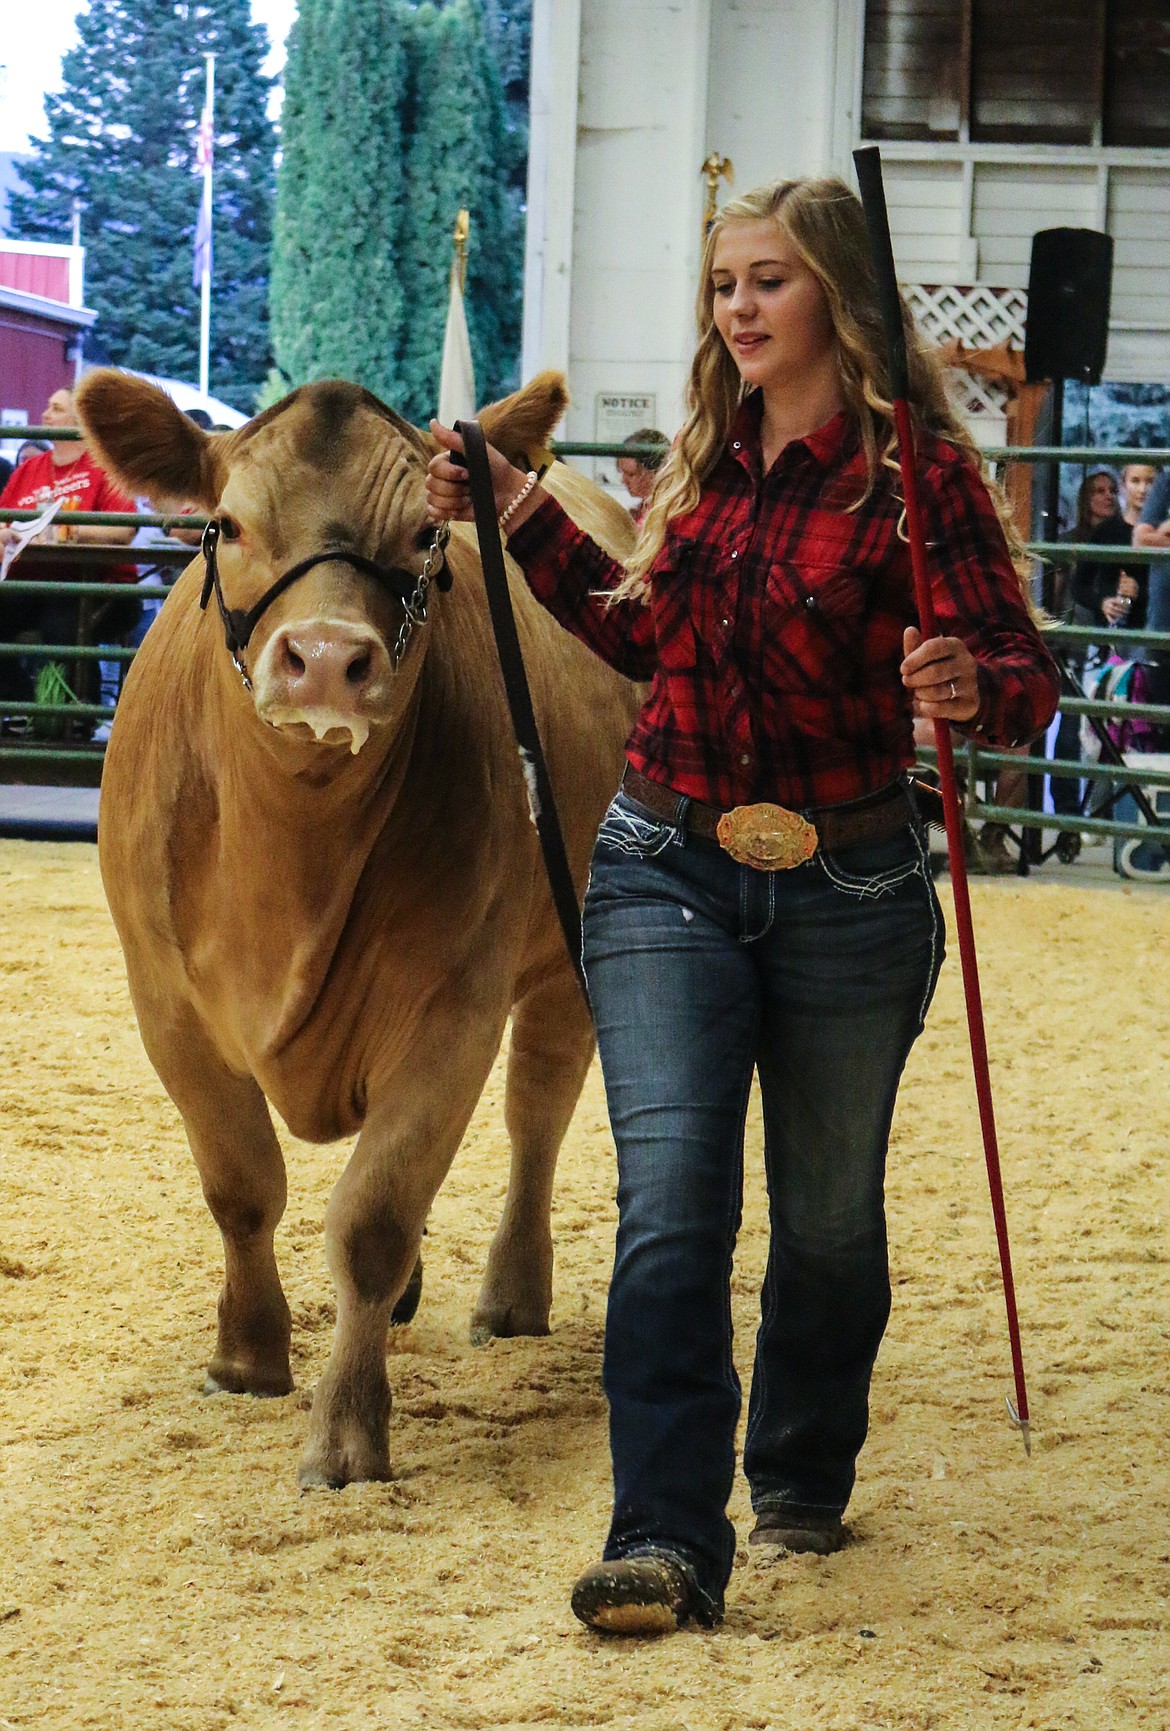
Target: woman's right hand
1116,607
448,493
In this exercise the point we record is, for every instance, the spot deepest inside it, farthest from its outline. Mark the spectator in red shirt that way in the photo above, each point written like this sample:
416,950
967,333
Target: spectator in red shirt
68,473
769,600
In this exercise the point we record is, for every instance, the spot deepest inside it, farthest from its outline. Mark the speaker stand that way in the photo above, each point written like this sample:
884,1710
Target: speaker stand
1050,530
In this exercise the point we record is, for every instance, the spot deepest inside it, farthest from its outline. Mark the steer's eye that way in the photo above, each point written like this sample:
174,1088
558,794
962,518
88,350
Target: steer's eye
229,529
424,537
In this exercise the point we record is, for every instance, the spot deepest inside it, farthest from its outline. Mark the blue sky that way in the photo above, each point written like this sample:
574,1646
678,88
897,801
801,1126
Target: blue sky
36,36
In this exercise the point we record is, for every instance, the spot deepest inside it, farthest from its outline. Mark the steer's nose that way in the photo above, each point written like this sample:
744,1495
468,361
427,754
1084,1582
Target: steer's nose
323,666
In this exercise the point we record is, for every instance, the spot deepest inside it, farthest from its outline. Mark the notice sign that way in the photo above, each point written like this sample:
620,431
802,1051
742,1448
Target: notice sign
617,414
620,413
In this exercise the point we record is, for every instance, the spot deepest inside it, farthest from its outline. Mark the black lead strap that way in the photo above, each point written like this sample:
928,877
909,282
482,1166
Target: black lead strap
540,794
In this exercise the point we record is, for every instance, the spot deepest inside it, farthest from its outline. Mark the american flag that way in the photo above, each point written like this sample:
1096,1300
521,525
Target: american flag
204,142
204,152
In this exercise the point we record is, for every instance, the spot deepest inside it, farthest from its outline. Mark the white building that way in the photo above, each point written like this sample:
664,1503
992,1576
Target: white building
996,118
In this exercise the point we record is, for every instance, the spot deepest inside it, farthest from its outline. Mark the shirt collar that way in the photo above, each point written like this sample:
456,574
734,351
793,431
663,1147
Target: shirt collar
826,444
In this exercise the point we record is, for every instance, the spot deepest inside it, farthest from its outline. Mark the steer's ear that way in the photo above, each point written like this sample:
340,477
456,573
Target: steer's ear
148,445
520,426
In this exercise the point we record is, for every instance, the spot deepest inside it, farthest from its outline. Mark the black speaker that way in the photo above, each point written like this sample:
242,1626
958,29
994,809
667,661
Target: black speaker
1069,283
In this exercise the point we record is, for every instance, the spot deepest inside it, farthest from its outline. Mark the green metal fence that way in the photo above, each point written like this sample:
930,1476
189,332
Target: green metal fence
32,746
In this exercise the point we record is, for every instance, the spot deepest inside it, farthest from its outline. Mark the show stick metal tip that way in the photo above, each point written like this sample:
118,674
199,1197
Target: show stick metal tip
1023,1425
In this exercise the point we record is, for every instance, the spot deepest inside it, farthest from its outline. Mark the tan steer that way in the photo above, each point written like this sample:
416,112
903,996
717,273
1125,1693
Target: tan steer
326,880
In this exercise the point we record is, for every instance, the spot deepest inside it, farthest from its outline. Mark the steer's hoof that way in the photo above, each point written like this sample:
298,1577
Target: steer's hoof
236,1379
333,1469
504,1321
485,1328
404,1310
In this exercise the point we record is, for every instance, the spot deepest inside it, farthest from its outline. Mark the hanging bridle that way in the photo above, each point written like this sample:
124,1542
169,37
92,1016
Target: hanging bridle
411,591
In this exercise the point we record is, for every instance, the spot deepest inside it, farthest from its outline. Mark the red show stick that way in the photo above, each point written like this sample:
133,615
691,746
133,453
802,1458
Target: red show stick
868,164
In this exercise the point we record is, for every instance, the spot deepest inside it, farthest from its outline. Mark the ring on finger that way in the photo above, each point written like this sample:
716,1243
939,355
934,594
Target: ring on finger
952,691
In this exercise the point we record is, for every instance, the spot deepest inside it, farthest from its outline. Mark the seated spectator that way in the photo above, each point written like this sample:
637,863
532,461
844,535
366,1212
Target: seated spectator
64,472
1099,519
1126,602
152,573
640,473
1136,481
1099,592
1153,530
28,448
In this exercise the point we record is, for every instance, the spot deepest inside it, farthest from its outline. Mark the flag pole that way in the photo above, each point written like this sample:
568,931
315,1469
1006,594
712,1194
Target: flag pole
456,368
460,238
714,169
205,221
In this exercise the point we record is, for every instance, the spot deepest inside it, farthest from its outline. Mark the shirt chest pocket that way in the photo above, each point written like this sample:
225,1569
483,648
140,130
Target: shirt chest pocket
674,625
813,627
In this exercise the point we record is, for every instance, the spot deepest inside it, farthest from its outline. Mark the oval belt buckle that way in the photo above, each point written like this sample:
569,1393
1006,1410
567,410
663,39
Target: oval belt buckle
768,837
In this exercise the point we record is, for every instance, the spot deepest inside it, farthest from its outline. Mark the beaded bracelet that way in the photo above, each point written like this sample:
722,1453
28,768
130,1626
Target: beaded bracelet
530,481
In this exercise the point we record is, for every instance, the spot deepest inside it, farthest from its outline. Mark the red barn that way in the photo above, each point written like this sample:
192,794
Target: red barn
42,322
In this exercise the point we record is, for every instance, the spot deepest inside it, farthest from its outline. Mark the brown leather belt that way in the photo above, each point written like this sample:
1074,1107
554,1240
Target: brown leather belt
839,827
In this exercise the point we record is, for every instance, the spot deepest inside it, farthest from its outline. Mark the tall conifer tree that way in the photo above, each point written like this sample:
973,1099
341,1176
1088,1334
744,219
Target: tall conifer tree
295,246
458,158
509,32
394,121
121,140
337,280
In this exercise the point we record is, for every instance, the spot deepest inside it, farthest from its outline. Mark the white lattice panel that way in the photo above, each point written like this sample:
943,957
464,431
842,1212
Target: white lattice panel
978,316
975,396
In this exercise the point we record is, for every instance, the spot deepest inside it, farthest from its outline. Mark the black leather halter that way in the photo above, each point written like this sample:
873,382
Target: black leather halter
238,624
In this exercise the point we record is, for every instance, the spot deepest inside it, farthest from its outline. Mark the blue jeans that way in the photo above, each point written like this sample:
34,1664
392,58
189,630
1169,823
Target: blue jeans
701,972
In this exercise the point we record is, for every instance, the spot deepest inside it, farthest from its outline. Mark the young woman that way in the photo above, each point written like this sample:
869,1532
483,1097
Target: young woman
769,600
1128,602
1099,591
1102,590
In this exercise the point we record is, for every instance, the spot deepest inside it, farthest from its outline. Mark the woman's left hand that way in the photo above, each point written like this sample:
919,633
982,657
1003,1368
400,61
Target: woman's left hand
940,676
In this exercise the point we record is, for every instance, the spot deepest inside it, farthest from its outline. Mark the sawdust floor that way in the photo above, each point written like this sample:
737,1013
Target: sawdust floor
158,1568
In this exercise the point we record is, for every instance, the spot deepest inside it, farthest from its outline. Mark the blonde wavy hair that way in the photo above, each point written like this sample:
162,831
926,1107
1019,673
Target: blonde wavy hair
825,223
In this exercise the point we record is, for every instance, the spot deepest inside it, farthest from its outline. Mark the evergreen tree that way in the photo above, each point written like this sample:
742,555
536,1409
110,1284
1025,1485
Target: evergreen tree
295,248
394,120
121,140
337,279
509,32
458,157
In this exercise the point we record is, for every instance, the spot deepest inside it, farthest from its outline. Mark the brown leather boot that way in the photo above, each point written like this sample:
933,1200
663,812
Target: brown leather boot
800,1531
993,856
647,1595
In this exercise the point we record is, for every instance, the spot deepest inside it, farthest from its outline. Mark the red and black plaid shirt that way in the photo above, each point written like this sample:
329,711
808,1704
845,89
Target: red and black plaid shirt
773,636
